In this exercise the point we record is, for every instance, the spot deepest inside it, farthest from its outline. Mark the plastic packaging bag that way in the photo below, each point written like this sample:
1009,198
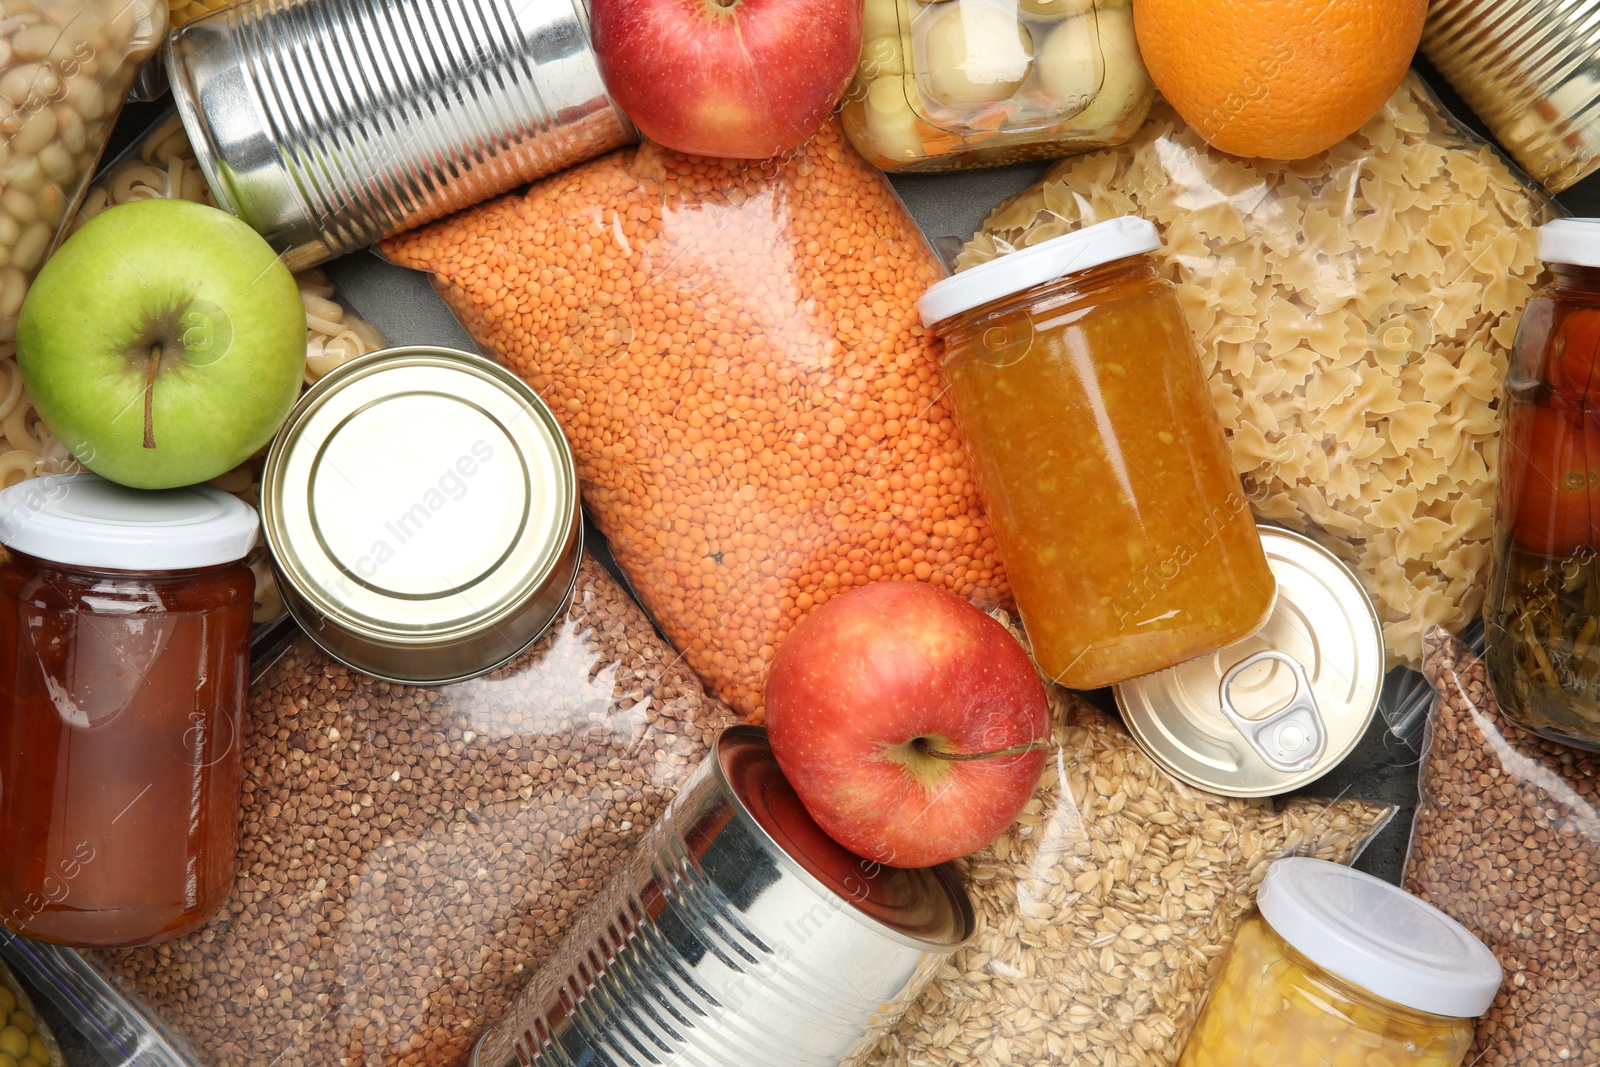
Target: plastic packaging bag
1355,312
409,856
1507,842
23,1035
67,67
1104,912
734,352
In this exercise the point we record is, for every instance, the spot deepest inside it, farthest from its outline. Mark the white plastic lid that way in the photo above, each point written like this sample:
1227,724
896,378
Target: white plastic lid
85,521
1379,937
1025,268
1574,241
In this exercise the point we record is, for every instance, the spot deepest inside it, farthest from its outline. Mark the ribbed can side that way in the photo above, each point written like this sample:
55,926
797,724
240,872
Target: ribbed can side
1531,70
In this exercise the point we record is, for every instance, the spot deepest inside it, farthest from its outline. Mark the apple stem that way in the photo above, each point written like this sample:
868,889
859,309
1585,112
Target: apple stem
150,397
922,746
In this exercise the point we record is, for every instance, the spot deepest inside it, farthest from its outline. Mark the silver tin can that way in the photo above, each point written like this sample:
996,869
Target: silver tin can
421,506
1531,70
738,934
329,124
1285,705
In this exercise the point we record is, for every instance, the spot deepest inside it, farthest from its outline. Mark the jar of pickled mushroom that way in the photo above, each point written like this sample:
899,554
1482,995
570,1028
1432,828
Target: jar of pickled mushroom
1099,456
957,84
1340,969
1542,613
124,659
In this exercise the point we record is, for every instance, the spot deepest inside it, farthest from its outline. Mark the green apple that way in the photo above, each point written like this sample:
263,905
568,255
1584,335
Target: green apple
164,343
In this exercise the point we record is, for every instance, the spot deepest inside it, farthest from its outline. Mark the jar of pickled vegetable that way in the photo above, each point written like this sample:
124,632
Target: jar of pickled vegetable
1340,969
1099,456
1542,613
124,659
957,84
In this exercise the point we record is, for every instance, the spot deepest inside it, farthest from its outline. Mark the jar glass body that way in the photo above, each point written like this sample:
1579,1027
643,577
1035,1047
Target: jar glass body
1103,467
1542,612
1273,1007
983,83
121,698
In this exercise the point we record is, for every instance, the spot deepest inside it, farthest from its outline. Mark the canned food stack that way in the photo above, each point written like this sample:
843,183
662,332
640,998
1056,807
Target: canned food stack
365,698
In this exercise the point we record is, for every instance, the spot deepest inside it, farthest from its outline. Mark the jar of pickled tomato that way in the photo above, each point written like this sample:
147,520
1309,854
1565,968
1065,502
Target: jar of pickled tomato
124,660
1340,969
1099,456
1542,612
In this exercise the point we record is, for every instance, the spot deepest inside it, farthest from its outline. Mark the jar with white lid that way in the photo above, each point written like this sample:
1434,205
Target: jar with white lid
124,662
1341,969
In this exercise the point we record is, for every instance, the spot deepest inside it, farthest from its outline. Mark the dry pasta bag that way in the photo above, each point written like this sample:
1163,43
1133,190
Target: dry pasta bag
734,352
1355,312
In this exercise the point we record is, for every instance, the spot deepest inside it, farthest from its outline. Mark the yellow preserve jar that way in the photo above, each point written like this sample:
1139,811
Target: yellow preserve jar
1340,969
1099,456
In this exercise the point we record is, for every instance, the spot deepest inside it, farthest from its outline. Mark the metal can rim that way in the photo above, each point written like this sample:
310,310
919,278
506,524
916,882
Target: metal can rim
1331,759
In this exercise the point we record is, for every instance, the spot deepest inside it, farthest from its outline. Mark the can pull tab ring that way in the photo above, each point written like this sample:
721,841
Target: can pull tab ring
1290,739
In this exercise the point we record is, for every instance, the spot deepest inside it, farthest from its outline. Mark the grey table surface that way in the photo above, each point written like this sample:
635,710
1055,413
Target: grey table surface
405,308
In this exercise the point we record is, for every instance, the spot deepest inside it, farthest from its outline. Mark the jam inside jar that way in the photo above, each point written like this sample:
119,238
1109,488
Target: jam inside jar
121,696
1100,457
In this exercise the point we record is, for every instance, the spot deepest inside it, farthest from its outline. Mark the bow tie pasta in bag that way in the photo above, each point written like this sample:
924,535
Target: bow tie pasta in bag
1355,312
734,352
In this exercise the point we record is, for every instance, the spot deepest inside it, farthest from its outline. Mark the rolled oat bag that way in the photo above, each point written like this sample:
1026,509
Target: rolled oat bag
410,856
1105,911
1355,312
1507,842
734,352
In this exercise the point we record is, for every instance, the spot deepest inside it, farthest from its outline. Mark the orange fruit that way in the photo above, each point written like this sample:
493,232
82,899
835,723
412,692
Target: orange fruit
1278,79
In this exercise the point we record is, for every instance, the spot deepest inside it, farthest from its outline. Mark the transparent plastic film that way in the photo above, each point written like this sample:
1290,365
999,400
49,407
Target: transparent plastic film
1507,842
410,856
734,352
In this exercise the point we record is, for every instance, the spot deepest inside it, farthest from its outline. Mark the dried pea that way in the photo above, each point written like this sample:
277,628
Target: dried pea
734,352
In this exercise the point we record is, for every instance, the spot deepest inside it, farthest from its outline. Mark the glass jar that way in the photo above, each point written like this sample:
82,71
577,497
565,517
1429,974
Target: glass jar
1542,612
124,659
1340,969
959,84
1100,457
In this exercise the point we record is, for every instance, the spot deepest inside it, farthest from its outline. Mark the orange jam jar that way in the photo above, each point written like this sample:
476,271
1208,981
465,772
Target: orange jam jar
1099,456
124,660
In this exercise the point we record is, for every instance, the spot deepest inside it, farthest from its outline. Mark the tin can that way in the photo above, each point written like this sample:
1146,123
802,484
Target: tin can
329,124
739,933
1281,708
1531,71
421,507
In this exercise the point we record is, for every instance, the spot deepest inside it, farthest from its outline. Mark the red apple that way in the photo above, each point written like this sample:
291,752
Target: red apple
871,696
745,79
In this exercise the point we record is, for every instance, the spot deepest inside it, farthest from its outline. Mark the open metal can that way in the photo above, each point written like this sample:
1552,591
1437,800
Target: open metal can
1284,706
421,506
1531,71
329,124
739,933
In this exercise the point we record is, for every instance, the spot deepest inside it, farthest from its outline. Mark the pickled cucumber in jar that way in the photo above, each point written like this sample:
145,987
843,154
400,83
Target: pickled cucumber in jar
957,84
1340,969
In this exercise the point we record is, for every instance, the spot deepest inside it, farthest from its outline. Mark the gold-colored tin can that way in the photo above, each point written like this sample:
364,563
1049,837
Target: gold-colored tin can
1284,706
1531,71
421,506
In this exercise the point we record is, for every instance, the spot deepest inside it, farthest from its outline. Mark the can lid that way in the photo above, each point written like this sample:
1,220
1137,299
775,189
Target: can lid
926,904
416,495
1282,707
1574,241
83,520
1379,937
1025,268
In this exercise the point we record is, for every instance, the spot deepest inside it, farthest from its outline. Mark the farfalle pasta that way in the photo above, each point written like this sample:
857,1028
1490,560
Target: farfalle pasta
1355,312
